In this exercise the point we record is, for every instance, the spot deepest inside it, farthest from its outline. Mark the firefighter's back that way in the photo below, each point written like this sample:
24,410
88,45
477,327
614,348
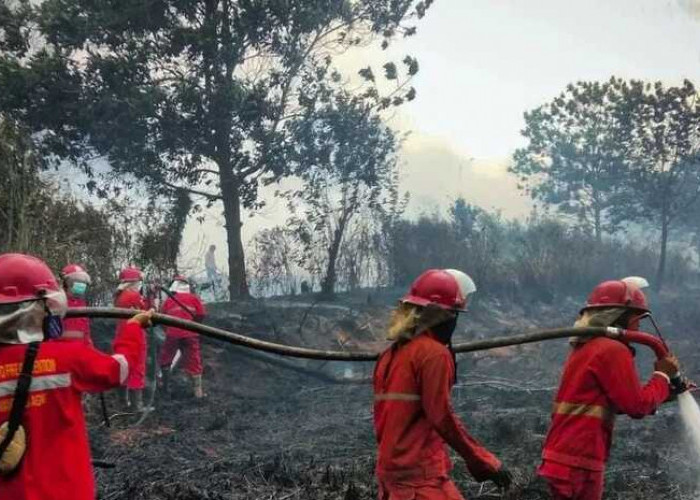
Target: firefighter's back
408,443
582,415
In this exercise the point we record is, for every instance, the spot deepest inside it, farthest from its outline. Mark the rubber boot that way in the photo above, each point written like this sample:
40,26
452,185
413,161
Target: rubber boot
137,400
165,380
198,389
125,399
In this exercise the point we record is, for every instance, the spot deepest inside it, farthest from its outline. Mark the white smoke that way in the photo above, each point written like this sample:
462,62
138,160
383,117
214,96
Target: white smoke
691,6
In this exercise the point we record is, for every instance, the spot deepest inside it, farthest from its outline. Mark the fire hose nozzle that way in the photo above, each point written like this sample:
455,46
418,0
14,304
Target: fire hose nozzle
681,384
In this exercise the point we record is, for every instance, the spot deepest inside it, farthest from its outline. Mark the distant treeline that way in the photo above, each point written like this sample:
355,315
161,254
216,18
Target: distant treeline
537,259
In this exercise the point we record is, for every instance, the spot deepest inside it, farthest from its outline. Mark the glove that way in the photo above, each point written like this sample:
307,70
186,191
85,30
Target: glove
143,318
501,478
680,384
668,365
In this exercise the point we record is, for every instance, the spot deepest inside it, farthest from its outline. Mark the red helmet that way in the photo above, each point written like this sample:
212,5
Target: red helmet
447,288
76,273
23,278
619,293
130,275
180,277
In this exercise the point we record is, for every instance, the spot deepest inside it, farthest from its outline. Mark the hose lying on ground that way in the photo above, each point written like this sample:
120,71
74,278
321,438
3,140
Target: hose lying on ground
329,355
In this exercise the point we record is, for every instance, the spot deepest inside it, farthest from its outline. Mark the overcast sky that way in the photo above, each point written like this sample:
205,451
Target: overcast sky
483,64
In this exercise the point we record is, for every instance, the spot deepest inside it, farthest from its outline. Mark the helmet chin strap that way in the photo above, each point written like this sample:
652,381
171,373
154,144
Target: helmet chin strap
656,327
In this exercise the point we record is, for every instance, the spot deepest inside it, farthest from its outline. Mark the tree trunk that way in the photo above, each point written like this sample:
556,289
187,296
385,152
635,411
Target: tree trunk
661,271
238,286
598,226
328,283
221,59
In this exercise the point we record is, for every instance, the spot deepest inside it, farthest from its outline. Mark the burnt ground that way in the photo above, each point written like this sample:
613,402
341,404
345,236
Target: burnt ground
286,431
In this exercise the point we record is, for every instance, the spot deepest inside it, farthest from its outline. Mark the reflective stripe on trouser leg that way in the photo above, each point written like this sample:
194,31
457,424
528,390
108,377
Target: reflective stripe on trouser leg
396,396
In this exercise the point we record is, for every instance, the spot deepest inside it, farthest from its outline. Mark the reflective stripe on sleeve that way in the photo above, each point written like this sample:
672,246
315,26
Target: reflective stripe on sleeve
123,367
39,383
396,396
583,410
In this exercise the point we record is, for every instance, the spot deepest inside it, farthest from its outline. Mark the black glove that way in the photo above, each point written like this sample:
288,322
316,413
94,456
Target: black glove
501,478
680,384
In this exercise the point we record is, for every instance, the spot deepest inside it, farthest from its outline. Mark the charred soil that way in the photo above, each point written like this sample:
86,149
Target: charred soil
295,430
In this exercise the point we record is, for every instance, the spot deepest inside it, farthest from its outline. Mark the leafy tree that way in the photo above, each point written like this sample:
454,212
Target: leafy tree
464,217
159,248
345,158
274,262
574,157
663,156
198,95
389,214
36,218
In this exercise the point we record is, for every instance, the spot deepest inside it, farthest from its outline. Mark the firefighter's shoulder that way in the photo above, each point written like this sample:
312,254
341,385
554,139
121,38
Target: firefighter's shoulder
425,346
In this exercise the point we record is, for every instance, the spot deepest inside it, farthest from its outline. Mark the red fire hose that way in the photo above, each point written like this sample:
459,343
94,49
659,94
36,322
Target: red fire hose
654,343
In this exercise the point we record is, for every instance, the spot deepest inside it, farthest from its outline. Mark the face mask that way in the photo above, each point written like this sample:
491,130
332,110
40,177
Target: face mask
53,325
444,330
180,287
78,288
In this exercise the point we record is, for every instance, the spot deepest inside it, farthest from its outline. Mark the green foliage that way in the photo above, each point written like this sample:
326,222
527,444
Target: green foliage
540,259
574,158
614,152
198,95
543,258
36,218
345,159
663,156
663,149
158,248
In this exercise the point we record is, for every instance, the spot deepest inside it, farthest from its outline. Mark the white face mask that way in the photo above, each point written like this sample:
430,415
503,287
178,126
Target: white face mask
180,287
130,285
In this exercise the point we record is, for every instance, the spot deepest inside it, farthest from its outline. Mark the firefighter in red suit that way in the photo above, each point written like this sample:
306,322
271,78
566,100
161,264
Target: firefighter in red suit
56,464
183,304
413,415
75,283
599,380
129,296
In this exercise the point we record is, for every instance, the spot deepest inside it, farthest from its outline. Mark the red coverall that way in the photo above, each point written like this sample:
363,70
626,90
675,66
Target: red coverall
599,380
413,419
131,299
77,328
184,340
57,463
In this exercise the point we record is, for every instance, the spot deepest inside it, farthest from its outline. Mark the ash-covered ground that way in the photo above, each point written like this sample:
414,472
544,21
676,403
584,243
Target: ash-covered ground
280,429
